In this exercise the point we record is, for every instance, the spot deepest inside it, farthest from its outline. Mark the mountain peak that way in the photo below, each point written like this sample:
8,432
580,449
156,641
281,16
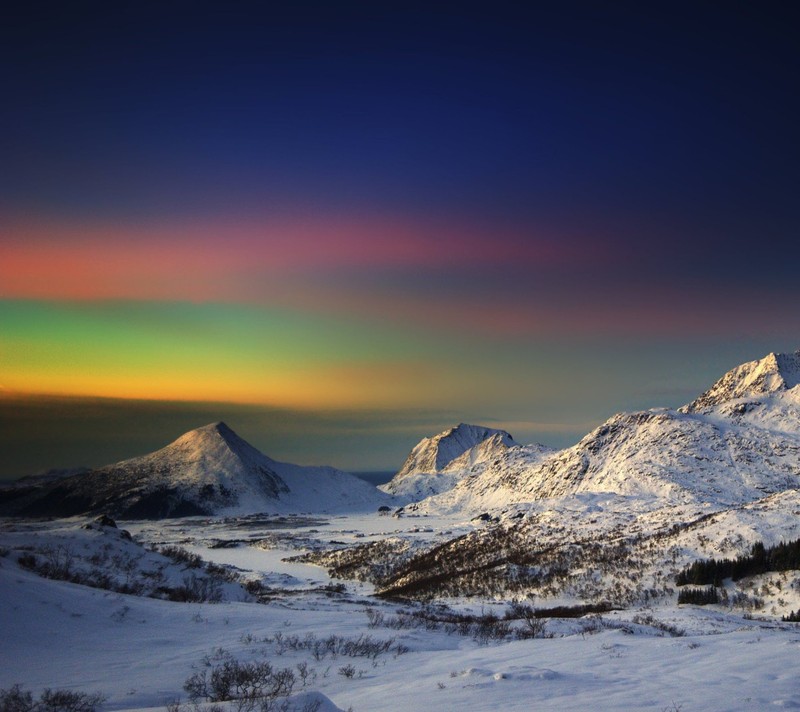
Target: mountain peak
213,437
789,368
218,428
433,454
774,373
205,471
454,442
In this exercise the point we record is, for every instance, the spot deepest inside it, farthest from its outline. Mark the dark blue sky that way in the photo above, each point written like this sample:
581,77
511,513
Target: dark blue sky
625,112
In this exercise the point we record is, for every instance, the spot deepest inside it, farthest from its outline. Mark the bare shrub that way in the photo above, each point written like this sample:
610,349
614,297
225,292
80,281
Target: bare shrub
374,618
532,624
363,646
15,699
347,671
181,556
195,589
649,620
235,680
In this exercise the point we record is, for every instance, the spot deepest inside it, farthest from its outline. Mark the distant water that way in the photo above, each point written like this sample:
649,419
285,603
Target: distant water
375,478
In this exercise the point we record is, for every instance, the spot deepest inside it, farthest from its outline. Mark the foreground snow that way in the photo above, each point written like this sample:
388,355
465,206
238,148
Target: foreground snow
139,651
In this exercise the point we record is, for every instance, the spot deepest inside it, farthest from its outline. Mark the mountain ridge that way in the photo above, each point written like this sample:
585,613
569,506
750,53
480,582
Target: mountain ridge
206,471
735,443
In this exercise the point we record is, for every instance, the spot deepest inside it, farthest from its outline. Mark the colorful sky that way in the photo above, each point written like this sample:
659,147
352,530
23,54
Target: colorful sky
342,227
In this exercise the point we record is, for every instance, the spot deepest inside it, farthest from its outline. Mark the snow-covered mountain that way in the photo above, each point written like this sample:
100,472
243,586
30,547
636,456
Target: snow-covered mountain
210,470
438,463
773,374
736,443
432,455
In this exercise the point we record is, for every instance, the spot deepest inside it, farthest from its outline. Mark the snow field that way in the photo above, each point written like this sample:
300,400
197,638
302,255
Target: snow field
139,651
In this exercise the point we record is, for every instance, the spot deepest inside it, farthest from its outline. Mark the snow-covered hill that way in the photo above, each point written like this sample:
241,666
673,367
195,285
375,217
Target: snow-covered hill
439,463
736,443
210,470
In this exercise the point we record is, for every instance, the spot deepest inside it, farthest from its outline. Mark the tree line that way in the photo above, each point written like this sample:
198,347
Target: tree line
781,557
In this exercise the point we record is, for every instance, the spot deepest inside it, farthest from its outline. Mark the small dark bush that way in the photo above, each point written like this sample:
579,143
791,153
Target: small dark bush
532,624
573,611
489,627
27,561
15,699
375,618
256,588
347,671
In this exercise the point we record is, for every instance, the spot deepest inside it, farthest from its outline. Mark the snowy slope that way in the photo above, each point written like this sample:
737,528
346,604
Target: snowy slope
210,470
736,443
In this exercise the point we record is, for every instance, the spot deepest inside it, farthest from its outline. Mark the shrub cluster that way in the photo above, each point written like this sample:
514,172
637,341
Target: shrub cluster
256,682
15,699
123,573
374,561
194,589
649,620
482,628
181,556
363,646
259,686
507,559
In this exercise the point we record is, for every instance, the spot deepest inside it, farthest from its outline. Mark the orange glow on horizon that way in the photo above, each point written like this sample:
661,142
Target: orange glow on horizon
322,389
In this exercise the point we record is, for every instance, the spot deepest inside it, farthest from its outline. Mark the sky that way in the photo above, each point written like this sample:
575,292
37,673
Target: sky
341,227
